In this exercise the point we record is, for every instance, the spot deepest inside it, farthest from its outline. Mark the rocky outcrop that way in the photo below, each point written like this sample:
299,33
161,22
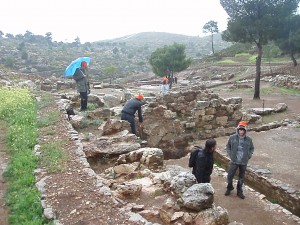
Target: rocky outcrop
185,201
285,81
198,197
152,158
116,144
280,107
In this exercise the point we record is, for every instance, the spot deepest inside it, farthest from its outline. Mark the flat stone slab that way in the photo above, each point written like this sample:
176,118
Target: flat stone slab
263,111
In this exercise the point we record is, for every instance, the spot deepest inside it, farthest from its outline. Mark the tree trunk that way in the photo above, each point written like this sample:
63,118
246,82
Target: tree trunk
258,72
212,44
294,60
171,80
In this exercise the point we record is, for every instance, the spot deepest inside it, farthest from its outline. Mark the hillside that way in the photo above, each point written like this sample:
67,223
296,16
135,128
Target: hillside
196,47
38,55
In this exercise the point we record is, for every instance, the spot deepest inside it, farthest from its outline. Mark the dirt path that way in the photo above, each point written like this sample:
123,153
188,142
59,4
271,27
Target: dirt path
3,185
276,151
250,211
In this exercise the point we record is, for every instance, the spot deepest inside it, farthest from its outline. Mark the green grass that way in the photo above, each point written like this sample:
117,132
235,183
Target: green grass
48,119
88,122
53,157
227,61
281,90
18,109
45,100
276,60
252,58
91,106
243,54
274,201
242,90
268,91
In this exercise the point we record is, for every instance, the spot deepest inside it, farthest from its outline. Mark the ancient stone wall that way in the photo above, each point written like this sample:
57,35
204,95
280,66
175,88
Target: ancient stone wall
176,118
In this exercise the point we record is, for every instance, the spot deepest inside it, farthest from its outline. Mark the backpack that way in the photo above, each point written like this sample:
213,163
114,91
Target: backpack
193,156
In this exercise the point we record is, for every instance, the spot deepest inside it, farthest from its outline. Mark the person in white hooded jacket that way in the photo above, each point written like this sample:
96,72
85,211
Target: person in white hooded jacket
239,149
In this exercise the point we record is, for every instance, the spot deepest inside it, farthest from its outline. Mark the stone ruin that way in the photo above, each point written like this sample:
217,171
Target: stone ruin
173,120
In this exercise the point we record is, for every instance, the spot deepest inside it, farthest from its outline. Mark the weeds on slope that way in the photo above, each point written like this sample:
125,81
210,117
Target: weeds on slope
18,109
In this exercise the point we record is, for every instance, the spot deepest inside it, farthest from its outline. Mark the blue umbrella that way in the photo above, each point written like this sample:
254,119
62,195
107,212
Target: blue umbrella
70,70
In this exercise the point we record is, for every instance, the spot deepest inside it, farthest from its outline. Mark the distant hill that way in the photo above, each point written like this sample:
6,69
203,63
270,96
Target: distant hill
35,54
196,47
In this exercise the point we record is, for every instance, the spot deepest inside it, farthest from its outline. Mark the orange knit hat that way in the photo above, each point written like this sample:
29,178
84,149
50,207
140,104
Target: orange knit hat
243,123
139,96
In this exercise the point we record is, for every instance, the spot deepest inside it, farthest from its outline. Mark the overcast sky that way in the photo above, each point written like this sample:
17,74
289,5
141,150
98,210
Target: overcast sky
95,20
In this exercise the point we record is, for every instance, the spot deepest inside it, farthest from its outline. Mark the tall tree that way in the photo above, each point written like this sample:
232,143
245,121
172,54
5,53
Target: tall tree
170,57
48,37
211,27
110,71
28,36
9,35
254,21
77,41
287,37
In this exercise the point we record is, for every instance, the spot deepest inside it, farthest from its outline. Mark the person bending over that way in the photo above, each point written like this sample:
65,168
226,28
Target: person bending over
132,106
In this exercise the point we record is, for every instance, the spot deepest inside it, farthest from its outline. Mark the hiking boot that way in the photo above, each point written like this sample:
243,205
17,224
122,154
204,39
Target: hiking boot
241,195
228,191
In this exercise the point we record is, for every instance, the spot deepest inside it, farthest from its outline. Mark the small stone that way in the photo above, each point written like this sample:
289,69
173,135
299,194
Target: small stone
262,196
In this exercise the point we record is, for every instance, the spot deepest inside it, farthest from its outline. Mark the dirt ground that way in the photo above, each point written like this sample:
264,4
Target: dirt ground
73,193
276,150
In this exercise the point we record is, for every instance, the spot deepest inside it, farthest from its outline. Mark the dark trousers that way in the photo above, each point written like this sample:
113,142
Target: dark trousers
83,101
130,119
232,169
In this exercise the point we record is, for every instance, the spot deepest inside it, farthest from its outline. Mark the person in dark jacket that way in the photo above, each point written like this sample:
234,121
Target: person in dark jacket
83,85
204,162
239,149
129,110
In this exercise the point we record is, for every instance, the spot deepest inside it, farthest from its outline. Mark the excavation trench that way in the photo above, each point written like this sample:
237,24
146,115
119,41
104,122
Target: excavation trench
275,192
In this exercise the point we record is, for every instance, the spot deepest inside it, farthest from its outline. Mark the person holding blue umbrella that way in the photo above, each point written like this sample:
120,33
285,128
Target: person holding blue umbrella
83,85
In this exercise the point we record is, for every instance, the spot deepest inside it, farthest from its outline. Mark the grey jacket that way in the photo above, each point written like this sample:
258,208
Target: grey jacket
133,105
232,148
81,80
